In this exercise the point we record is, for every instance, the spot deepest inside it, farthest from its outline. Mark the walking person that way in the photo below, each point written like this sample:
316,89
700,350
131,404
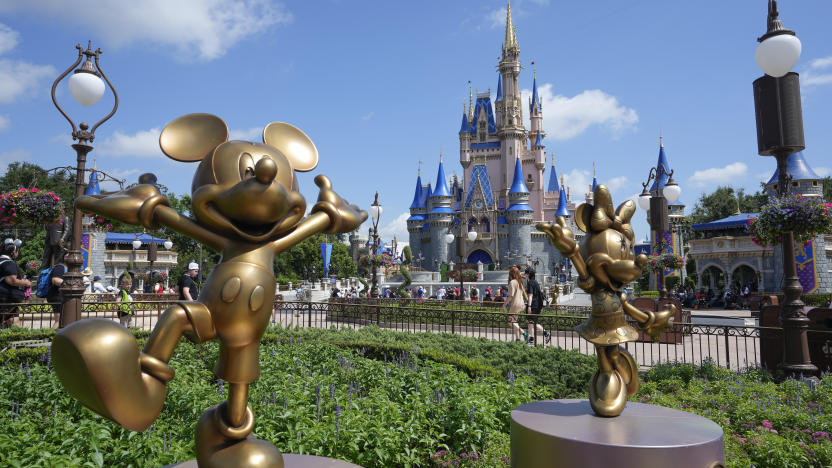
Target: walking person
535,306
515,302
188,289
11,282
54,295
125,307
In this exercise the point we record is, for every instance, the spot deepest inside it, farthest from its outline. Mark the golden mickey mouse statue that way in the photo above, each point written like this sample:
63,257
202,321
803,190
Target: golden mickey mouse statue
245,204
605,262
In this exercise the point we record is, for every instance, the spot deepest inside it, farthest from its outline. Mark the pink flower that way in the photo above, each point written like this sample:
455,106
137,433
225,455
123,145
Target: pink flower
766,423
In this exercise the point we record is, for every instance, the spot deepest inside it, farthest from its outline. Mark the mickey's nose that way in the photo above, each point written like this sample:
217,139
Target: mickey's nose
265,170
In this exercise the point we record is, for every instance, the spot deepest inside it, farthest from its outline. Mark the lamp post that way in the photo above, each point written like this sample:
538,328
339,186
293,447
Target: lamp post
86,87
471,236
780,133
375,213
655,202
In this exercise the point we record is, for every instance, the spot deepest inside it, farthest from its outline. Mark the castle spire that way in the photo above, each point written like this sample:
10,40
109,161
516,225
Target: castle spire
417,196
499,88
535,102
441,189
470,104
594,180
663,167
518,185
553,178
511,37
562,210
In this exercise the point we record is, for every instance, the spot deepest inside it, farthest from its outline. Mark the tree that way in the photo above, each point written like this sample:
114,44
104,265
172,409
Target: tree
723,203
289,265
827,189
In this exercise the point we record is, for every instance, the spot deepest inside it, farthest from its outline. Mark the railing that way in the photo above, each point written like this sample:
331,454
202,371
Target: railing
729,346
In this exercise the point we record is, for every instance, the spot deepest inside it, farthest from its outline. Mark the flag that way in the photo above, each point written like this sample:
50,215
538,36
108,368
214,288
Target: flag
326,253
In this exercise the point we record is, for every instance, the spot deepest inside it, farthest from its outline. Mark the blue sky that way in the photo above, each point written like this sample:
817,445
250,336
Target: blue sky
380,85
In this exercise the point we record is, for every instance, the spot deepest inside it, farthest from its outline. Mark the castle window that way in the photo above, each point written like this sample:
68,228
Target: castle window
814,183
794,184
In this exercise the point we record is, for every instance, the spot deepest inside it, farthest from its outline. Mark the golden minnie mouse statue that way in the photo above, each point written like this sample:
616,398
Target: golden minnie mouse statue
245,204
606,262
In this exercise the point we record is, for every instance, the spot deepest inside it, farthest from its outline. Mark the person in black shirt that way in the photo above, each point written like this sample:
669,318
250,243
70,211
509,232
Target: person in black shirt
535,306
53,295
188,289
10,283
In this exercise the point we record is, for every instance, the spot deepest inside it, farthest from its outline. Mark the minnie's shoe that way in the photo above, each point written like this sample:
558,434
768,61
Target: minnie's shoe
98,363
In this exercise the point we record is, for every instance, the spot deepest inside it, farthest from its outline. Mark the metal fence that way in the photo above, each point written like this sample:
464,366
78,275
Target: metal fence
729,346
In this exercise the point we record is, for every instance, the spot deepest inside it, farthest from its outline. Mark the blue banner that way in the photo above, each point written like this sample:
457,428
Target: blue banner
326,253
85,250
804,259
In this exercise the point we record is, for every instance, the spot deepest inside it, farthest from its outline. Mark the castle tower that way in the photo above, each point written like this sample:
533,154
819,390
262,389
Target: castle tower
519,213
511,131
440,216
464,141
417,217
675,212
562,209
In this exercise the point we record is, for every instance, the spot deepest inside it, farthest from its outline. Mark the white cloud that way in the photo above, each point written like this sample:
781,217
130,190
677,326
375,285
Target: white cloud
144,143
719,175
4,122
12,156
821,63
568,117
367,116
814,76
823,171
193,29
251,134
496,19
8,38
21,78
615,183
397,227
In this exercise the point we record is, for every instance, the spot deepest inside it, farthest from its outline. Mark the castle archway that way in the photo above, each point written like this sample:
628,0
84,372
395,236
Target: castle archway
479,255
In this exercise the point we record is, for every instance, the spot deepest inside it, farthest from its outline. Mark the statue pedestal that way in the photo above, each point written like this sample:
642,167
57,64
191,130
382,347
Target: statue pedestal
567,433
291,461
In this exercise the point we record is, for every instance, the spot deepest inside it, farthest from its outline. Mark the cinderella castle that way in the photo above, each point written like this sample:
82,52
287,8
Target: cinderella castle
489,215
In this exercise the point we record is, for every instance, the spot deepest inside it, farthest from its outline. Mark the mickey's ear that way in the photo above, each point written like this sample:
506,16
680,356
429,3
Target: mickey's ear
192,137
293,143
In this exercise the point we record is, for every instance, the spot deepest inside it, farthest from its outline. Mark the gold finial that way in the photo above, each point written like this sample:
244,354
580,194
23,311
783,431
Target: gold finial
553,159
419,172
661,139
470,103
94,163
593,169
561,176
511,37
440,154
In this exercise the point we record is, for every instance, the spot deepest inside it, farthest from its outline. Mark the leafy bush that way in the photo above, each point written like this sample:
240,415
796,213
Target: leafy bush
398,409
765,424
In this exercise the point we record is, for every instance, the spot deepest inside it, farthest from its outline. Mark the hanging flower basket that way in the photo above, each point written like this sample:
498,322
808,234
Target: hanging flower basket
665,261
97,223
30,206
805,217
384,260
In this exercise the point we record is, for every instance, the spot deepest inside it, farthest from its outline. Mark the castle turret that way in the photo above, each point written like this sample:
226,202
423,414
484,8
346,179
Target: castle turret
499,109
562,209
535,114
519,213
417,217
511,130
464,141
440,217
92,186
804,180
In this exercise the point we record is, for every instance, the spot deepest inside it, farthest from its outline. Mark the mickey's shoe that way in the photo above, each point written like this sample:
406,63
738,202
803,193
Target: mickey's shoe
98,363
219,445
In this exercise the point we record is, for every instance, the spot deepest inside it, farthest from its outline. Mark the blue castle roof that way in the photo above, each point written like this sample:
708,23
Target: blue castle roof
517,185
594,183
499,88
562,211
553,181
535,98
464,127
662,177
127,238
539,140
479,175
417,196
92,187
441,189
426,191
483,104
737,220
797,168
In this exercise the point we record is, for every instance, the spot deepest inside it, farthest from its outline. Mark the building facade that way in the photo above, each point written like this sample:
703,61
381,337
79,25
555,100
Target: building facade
726,255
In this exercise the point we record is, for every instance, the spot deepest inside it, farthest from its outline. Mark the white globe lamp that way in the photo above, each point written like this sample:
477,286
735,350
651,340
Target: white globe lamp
644,200
449,238
86,87
472,236
672,191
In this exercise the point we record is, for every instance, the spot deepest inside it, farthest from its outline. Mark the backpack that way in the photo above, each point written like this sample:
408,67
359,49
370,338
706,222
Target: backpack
44,281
